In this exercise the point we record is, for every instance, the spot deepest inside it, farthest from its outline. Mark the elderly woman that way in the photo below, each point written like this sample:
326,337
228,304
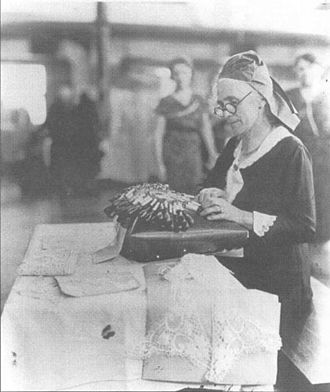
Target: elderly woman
183,129
263,180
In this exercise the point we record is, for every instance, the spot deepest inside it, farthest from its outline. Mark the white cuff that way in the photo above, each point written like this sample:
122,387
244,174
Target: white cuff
262,223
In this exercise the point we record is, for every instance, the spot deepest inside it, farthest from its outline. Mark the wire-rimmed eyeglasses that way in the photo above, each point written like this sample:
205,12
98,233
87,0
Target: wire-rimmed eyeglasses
229,107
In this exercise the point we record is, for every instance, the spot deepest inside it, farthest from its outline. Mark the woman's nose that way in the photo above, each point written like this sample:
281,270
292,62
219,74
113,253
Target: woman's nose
226,114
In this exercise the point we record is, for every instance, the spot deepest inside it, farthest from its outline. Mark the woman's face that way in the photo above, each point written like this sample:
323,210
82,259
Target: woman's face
308,73
247,111
182,75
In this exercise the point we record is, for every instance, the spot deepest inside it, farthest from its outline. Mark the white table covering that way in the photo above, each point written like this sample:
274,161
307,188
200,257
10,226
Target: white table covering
54,342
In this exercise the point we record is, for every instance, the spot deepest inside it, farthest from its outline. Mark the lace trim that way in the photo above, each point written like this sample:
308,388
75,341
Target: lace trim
181,331
233,336
262,223
179,335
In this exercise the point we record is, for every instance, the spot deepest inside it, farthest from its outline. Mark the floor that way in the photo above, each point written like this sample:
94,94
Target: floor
19,216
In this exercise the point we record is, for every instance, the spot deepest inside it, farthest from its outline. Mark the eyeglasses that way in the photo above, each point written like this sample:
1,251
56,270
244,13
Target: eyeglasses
229,107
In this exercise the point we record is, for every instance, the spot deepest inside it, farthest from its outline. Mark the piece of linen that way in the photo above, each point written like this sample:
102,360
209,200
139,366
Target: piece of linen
51,341
96,284
50,346
112,250
78,237
49,263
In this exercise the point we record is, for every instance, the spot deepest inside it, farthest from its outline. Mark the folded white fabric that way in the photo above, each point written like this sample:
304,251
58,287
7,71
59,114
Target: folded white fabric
112,250
212,320
79,285
49,263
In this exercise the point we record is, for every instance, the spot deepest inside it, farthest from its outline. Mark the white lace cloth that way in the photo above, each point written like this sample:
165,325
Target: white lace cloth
235,182
204,322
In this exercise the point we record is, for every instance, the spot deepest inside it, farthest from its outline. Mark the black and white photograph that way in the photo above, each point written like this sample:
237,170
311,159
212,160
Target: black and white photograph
165,195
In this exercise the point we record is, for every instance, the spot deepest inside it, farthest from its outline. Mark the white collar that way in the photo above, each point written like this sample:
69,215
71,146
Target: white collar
269,142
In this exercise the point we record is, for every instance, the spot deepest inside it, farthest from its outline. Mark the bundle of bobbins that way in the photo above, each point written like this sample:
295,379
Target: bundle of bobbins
153,203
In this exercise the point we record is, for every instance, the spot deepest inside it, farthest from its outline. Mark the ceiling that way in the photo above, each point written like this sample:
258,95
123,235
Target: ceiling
286,16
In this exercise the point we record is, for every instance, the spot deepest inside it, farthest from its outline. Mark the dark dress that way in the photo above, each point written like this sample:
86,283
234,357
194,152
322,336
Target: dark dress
85,142
279,183
316,138
61,125
36,176
183,145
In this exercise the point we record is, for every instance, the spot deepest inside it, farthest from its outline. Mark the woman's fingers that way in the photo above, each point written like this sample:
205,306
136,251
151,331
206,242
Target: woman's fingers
215,217
211,209
219,202
208,193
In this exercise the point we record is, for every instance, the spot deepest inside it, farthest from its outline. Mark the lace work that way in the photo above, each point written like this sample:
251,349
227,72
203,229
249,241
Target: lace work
179,335
233,336
202,323
262,223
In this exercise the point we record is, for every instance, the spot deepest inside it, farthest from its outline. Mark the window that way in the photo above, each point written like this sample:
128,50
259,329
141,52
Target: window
23,86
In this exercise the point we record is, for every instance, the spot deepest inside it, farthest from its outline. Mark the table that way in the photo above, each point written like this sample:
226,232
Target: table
54,342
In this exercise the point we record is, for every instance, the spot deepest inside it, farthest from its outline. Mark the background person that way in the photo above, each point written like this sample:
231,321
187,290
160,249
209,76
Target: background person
183,128
311,98
263,180
128,147
60,124
85,142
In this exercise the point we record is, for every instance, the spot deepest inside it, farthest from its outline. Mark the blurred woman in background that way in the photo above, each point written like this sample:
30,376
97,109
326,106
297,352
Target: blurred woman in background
128,146
85,142
183,128
311,98
61,125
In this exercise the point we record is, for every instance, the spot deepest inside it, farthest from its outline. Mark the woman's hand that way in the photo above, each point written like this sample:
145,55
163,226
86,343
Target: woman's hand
208,194
219,209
